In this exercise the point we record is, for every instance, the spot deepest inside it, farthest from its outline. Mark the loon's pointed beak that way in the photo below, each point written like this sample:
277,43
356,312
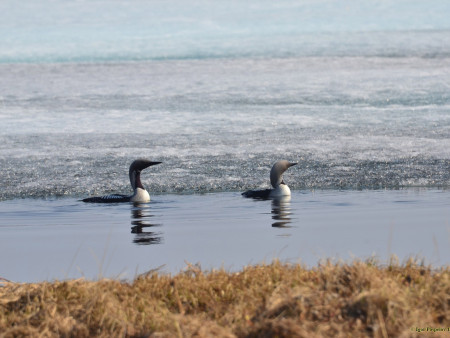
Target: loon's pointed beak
141,164
149,164
292,164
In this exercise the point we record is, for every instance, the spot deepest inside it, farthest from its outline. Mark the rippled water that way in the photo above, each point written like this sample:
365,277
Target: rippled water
357,94
218,125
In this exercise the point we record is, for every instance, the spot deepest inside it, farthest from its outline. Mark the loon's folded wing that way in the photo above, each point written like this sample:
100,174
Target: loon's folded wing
259,194
114,198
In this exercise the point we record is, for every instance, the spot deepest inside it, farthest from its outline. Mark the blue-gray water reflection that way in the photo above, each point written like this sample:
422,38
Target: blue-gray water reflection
141,224
65,238
281,212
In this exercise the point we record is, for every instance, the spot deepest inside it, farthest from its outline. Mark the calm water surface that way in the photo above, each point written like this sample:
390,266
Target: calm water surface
65,238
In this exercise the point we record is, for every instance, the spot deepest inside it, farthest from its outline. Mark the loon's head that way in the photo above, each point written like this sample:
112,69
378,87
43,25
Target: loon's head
276,174
135,171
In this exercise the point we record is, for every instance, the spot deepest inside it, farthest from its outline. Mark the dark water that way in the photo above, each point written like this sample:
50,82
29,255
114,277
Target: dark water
64,238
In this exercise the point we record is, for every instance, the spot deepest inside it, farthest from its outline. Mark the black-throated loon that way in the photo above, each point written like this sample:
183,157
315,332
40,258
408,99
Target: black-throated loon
280,188
139,195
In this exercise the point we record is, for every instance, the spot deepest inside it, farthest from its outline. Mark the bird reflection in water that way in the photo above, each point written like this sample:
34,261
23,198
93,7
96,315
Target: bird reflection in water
281,212
141,222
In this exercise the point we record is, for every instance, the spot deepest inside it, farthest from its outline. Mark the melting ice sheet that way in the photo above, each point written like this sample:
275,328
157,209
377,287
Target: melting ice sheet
64,238
219,125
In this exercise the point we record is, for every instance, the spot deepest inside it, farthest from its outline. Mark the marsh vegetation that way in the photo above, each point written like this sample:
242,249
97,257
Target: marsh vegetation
277,299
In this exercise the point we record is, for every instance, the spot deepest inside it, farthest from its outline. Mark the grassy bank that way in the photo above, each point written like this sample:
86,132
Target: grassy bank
283,300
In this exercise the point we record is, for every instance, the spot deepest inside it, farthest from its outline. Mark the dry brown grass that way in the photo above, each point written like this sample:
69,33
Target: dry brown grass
276,300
